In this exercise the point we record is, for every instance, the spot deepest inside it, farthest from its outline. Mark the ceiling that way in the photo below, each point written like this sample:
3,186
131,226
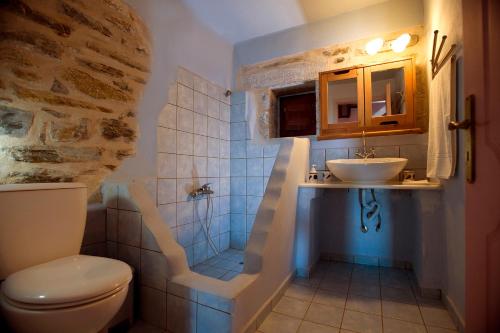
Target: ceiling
240,20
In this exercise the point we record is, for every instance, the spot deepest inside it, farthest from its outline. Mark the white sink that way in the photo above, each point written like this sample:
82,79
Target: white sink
371,170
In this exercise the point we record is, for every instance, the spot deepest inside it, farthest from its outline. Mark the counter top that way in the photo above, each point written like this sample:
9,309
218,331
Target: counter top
388,186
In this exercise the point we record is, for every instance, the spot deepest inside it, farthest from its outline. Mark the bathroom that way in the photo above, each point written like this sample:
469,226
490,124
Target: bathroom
217,166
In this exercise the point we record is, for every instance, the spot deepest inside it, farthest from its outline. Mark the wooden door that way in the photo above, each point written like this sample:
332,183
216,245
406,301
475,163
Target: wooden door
482,218
297,115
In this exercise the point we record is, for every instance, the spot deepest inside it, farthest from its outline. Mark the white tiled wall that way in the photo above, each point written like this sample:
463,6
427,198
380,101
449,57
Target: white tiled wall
193,149
251,166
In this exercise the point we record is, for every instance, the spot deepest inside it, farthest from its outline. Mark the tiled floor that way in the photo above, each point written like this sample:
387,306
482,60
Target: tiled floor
224,267
355,298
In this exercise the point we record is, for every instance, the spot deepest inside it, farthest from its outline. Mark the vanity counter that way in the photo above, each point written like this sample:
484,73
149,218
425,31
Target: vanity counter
388,186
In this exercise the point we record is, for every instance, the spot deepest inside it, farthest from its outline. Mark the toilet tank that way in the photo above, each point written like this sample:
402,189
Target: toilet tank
39,223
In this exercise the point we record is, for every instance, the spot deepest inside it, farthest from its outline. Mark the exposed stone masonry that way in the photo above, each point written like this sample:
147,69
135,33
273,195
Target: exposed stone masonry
71,73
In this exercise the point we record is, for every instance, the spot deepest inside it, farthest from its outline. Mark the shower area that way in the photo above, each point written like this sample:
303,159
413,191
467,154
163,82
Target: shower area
190,241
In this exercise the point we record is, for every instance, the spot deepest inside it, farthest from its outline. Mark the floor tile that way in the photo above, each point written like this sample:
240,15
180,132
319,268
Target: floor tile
361,322
292,307
364,304
142,327
278,323
402,311
404,295
323,314
362,289
437,317
300,292
399,326
309,327
330,298
334,285
431,329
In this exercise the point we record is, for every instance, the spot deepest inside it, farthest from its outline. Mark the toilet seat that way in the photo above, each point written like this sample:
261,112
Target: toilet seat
67,282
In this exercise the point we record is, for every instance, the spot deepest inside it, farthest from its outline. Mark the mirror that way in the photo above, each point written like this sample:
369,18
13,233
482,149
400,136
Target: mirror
343,101
388,92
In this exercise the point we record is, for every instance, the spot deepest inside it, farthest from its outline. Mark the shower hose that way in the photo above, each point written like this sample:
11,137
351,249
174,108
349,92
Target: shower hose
208,223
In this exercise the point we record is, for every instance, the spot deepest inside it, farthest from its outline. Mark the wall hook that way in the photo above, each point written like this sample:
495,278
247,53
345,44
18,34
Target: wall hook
435,64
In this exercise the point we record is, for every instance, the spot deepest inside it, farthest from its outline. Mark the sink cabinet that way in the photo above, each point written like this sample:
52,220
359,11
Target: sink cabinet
377,99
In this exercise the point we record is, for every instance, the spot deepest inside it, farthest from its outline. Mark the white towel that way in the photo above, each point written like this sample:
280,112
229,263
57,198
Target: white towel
441,150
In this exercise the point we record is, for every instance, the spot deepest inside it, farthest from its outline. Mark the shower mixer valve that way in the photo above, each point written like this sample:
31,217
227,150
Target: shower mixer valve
204,189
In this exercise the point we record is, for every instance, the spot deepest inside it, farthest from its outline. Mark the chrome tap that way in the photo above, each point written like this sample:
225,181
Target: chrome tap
365,153
204,189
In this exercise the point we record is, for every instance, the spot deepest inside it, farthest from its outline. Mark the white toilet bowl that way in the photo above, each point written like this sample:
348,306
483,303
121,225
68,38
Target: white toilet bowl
78,294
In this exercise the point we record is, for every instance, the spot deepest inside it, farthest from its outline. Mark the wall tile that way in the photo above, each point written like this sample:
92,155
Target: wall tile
238,223
255,167
225,223
238,149
250,221
238,240
130,254
185,77
225,149
200,124
148,241
238,97
238,131
238,186
237,113
224,186
225,167
167,140
214,320
213,167
168,116
200,145
238,167
95,226
213,129
167,165
181,314
172,94
213,108
184,188
153,306
185,120
168,213
153,269
318,158
253,204
185,235
185,97
166,191
225,204
184,166
271,150
225,131
337,153
200,103
200,166
255,186
238,204
129,228
224,241
224,112
185,213
254,150
112,224
200,84
213,147
185,143
416,155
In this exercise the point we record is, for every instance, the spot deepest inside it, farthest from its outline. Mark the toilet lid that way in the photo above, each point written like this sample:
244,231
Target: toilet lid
66,280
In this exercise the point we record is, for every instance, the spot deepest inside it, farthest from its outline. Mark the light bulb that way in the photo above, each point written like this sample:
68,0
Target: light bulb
400,43
373,46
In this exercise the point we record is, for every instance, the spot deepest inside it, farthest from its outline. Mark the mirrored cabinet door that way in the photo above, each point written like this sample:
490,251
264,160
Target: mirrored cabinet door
342,100
389,95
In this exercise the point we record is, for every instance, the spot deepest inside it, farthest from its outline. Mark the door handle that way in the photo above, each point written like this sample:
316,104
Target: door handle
454,125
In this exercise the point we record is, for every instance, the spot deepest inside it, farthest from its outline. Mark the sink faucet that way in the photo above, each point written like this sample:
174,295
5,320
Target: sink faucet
365,153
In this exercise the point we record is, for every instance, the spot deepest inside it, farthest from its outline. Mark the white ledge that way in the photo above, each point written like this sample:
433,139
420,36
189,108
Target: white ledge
388,186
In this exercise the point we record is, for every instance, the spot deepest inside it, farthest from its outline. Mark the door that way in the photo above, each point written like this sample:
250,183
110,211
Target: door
482,212
297,115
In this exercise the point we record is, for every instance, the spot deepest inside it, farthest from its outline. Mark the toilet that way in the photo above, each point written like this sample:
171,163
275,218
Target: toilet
47,286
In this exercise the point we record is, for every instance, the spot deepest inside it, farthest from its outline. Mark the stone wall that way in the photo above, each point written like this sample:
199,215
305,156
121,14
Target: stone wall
293,70
71,75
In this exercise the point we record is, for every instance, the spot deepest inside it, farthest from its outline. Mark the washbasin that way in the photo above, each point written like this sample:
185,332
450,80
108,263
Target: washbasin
367,170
